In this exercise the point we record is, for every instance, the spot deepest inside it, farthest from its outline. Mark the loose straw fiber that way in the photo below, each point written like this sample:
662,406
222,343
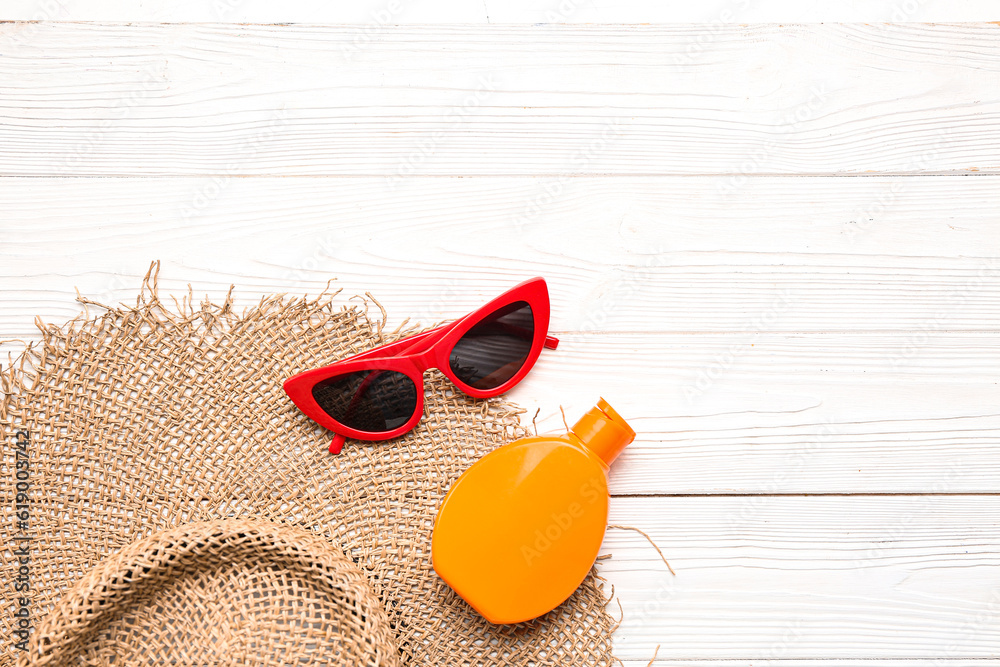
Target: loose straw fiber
184,512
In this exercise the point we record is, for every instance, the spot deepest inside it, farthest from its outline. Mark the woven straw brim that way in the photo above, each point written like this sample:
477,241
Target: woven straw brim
231,591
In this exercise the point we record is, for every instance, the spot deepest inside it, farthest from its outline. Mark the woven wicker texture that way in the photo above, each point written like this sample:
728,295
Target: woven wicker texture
248,592
148,418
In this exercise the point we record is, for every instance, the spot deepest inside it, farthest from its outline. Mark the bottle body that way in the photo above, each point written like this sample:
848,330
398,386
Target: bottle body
518,532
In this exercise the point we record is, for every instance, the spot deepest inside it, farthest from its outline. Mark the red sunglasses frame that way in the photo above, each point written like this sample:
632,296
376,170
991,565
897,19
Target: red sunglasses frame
418,353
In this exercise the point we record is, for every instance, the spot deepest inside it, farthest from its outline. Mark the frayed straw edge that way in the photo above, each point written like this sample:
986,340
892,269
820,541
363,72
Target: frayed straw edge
612,596
23,370
650,540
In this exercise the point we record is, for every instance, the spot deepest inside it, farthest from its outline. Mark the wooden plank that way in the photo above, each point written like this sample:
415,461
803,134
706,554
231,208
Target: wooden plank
807,578
237,100
691,293
786,414
673,254
372,15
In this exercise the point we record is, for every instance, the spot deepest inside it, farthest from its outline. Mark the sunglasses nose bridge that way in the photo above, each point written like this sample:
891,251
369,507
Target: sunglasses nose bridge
422,360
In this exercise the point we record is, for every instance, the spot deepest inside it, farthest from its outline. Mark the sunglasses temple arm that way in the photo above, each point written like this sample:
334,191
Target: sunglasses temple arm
337,444
551,342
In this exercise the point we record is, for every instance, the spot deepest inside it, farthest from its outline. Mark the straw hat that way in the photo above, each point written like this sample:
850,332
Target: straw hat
246,592
182,510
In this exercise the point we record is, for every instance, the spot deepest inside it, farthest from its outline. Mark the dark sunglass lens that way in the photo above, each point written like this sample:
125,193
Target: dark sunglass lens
494,350
373,401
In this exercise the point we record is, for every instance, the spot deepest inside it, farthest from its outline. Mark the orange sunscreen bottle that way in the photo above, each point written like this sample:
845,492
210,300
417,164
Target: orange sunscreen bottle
519,530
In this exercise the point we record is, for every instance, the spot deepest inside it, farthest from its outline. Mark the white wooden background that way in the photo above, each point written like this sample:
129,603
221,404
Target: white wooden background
773,247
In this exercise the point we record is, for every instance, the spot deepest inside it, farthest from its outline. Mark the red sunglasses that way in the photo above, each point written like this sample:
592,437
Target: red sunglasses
379,394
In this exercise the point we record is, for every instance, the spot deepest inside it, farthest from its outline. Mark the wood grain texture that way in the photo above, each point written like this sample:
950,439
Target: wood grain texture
638,254
804,578
788,414
155,99
764,342
774,248
372,15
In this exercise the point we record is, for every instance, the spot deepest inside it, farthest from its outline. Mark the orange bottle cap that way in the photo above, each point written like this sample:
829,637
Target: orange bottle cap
604,432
